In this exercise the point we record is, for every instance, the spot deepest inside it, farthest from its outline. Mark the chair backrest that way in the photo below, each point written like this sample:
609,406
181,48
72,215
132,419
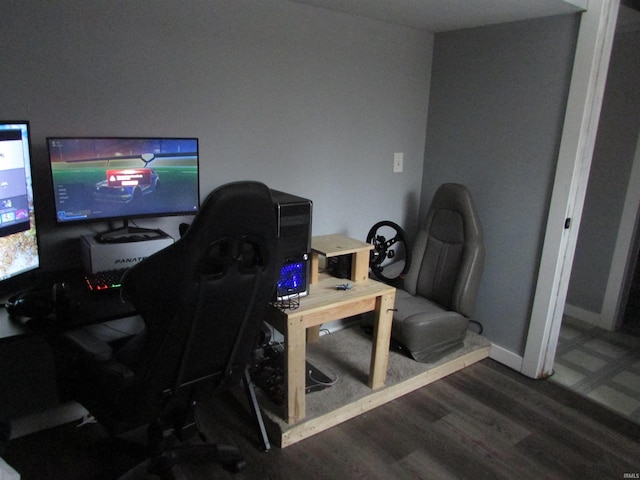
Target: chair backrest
447,258
203,299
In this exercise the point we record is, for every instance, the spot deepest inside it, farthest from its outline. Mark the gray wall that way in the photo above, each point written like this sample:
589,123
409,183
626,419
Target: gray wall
314,103
613,156
496,109
308,101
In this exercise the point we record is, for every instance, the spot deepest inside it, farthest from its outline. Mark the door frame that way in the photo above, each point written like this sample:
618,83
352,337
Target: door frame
591,64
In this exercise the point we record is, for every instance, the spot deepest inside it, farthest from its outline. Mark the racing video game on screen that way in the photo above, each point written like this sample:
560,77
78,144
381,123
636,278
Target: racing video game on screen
106,178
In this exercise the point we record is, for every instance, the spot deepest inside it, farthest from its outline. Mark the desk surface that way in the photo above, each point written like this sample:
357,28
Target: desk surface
324,295
84,308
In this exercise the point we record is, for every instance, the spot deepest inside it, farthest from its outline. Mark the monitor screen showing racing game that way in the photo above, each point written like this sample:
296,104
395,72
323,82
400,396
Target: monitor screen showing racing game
18,240
122,178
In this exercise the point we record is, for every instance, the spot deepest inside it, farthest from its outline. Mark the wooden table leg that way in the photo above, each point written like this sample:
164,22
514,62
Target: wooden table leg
381,340
315,266
295,374
360,266
313,334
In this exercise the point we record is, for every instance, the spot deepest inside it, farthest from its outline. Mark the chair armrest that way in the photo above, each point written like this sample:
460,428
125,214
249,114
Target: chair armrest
98,355
89,345
114,376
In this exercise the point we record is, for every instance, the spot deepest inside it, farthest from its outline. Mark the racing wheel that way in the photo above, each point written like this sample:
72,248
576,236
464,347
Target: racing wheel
389,245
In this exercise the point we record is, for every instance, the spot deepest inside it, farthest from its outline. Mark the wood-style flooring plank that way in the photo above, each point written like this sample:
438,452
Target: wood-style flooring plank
535,405
484,422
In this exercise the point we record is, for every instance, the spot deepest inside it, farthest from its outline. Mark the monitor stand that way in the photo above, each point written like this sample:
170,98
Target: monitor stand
129,234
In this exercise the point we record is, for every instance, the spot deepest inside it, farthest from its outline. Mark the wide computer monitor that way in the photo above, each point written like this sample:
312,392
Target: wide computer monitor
18,240
107,179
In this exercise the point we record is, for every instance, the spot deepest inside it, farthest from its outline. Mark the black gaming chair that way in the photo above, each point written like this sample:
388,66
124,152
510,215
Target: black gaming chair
433,307
202,300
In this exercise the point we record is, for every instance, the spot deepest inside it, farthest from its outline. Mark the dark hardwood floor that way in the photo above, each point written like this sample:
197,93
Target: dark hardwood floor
484,422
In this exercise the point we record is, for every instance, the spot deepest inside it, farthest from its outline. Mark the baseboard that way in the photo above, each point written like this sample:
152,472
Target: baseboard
506,357
583,315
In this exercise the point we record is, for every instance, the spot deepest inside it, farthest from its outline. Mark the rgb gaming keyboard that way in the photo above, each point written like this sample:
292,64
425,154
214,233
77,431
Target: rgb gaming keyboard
104,281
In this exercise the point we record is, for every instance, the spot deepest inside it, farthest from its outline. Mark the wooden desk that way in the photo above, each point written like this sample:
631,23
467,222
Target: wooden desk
324,304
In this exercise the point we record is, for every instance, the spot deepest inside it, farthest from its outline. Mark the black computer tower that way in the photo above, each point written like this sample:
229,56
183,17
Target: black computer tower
294,233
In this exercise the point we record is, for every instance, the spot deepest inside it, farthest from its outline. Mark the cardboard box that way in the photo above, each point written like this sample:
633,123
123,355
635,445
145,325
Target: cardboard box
99,257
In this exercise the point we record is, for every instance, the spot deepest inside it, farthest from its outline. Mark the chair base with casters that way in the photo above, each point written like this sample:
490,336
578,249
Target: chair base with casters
163,458
166,456
173,453
166,450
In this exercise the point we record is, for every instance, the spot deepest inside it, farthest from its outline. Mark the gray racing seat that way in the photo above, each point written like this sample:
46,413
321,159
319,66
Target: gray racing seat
440,288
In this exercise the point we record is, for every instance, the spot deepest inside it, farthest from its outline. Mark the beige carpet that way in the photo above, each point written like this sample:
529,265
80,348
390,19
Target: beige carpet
344,356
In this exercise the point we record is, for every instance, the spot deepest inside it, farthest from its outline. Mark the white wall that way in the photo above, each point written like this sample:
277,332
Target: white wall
309,101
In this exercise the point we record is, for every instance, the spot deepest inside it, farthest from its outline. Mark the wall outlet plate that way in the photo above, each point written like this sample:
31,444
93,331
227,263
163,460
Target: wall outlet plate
398,161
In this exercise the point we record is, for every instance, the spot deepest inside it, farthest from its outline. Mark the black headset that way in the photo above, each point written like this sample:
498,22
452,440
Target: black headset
37,303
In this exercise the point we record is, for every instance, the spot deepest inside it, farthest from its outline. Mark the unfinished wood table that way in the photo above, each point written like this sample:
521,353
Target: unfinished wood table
325,303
